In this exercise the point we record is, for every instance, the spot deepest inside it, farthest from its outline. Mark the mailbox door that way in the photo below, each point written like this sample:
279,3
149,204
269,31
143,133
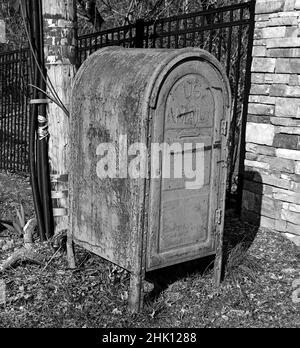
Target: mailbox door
187,123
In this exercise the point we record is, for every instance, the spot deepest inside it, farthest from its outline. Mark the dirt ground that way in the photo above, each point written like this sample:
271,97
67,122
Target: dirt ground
257,291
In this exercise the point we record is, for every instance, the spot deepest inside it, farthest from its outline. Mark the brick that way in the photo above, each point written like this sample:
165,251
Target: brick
273,32
261,109
258,204
273,180
251,156
291,207
262,99
262,134
296,177
252,148
283,53
260,89
278,90
259,51
258,78
254,187
291,217
286,196
260,149
289,5
252,201
260,42
281,90
287,107
262,17
289,130
284,14
279,164
287,65
288,154
280,225
267,223
259,119
286,122
277,78
269,6
262,24
264,65
268,207
287,21
295,186
294,80
288,42
292,32
287,141
256,164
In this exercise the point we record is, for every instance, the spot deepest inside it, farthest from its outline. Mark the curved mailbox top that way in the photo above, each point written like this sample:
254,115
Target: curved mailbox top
135,67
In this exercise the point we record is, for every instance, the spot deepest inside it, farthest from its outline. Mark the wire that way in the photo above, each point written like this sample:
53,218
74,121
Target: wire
49,97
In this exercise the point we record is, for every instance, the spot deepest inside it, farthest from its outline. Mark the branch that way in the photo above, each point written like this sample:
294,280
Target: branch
88,10
27,253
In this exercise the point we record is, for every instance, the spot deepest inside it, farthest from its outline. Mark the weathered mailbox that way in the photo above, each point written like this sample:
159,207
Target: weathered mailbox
149,137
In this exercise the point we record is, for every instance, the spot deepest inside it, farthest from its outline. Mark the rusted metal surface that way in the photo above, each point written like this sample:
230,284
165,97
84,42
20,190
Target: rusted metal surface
151,96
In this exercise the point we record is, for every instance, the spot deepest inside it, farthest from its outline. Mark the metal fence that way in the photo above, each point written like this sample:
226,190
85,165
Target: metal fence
15,77
225,32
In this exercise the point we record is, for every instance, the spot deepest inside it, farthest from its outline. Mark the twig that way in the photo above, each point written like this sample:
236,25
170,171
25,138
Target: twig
52,258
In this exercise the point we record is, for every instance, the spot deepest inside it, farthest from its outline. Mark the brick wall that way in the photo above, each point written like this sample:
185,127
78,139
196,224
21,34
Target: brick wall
272,186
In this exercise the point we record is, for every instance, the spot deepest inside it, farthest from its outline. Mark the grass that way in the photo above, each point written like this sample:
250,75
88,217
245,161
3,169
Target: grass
257,291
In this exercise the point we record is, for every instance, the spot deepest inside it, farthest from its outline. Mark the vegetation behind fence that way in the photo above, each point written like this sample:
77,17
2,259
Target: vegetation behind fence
226,32
15,77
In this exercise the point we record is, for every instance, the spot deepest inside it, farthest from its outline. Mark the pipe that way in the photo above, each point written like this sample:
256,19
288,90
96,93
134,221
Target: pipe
43,141
37,155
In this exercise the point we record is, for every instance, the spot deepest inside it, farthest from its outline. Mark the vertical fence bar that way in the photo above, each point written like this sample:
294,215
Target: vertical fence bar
177,35
169,36
229,46
245,108
1,115
6,125
235,108
20,113
139,33
220,38
15,88
9,115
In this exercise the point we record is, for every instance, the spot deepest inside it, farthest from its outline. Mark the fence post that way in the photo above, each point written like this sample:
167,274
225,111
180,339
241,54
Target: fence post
140,33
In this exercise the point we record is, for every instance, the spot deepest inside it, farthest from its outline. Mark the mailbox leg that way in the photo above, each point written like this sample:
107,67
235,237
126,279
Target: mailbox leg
136,293
219,260
71,252
218,270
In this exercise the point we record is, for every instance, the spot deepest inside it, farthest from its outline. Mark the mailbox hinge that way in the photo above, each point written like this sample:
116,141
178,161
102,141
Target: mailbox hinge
224,128
219,216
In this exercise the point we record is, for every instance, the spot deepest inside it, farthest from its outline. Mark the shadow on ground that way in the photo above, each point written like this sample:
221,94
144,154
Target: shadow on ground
240,233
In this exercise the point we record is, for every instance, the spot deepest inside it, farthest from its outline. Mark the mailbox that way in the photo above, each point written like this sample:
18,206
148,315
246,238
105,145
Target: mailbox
149,138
